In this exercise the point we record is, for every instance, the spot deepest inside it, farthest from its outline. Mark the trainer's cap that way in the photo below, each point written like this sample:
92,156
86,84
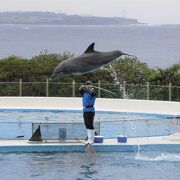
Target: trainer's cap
89,82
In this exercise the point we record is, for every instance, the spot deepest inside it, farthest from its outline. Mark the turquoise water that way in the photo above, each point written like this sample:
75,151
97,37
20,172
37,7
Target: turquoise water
100,166
150,165
15,123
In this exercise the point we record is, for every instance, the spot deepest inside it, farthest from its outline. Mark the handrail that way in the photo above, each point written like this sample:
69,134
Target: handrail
168,92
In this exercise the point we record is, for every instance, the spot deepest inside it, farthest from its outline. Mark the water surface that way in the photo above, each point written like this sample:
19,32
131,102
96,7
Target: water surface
155,45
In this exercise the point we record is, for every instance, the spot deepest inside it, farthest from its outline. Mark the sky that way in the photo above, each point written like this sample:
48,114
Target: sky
147,11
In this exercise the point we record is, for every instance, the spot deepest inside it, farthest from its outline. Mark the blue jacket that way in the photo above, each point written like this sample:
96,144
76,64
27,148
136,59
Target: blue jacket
88,100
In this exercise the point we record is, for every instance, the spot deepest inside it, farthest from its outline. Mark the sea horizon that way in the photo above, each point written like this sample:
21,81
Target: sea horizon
156,45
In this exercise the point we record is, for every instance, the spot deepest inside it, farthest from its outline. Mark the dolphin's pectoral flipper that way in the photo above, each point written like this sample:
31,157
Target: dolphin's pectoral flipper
90,49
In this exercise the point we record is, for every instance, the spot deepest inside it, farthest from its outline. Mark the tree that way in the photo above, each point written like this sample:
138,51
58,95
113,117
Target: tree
130,70
168,75
39,68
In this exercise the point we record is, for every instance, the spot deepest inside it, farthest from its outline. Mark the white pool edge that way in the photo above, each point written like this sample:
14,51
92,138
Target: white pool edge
102,104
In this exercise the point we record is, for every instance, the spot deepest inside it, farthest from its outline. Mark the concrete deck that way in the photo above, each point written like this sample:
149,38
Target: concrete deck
158,143
102,104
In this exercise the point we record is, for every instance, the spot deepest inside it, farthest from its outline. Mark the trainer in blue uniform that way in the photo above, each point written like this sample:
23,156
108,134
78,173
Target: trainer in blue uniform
89,96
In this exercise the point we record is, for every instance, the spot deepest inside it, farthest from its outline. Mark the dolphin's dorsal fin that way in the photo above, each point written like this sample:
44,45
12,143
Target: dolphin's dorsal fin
90,49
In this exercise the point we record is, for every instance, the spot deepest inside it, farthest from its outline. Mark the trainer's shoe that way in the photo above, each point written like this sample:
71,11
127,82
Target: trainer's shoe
86,142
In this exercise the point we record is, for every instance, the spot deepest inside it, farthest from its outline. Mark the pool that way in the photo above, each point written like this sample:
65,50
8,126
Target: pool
18,122
100,166
113,165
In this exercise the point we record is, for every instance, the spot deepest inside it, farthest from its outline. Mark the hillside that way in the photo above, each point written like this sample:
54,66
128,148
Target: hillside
61,19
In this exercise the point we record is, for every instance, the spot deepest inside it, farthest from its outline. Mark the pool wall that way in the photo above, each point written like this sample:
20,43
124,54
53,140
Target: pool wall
102,104
96,147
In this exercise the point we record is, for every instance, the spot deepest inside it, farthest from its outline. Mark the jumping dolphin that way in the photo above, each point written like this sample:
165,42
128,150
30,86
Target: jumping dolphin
89,61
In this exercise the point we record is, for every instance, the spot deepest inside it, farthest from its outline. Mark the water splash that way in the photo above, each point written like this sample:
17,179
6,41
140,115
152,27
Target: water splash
161,157
114,74
89,149
117,81
138,152
104,90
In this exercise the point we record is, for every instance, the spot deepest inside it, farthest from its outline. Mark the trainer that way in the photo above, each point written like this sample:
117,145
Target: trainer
89,96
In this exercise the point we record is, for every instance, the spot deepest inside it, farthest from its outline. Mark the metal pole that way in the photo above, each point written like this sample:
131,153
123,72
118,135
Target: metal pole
47,87
170,91
147,90
20,87
124,90
73,88
99,89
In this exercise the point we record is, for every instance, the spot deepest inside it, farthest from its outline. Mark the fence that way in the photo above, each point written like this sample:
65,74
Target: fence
59,89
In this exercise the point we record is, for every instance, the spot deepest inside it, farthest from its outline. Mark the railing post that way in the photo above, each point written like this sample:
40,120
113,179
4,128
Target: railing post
47,87
99,89
147,90
20,87
124,90
170,91
73,88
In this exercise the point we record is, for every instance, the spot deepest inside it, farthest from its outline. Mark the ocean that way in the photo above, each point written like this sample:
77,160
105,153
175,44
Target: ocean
158,46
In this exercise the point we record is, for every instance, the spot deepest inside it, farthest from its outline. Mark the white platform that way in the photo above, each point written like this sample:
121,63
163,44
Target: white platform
102,104
171,142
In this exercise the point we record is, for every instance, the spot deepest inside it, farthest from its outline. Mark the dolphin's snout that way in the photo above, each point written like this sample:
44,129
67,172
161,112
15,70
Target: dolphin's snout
129,55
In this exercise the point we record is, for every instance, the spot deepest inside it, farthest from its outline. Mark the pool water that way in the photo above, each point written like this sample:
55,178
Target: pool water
150,165
100,166
15,123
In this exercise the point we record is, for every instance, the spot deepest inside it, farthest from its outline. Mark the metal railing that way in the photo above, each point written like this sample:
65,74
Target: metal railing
60,89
